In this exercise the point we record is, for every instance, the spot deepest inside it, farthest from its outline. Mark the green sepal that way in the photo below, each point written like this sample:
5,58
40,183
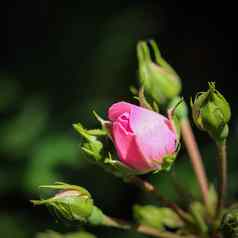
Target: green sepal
159,59
156,217
140,97
66,186
143,101
155,106
106,125
96,217
177,111
180,108
167,162
118,168
92,146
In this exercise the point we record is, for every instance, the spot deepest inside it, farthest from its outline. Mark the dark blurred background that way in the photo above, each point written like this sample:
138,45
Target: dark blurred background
62,59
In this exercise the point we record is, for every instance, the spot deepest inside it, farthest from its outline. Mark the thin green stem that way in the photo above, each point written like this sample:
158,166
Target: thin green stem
222,176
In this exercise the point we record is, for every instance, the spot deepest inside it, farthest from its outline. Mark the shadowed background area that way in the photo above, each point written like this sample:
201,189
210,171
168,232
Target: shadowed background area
62,59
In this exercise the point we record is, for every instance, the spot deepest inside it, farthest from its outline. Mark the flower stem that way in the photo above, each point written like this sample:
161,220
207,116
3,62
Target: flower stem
196,159
121,224
148,187
222,172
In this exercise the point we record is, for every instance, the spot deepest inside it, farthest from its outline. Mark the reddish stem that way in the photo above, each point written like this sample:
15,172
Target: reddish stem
196,159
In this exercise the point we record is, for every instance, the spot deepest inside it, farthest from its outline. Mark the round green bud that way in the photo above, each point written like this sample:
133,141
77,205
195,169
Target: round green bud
211,112
229,224
158,78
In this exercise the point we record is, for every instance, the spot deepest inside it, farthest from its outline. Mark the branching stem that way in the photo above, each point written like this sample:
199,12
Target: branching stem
148,187
121,224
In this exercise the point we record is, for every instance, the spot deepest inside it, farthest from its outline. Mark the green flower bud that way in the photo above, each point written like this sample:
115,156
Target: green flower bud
158,78
157,217
211,113
73,203
229,224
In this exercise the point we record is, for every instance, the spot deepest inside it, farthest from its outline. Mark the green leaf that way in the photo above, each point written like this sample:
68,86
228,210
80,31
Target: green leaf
156,217
198,212
212,199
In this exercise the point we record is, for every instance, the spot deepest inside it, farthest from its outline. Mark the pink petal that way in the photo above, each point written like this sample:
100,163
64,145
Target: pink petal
135,158
153,136
117,109
123,119
127,148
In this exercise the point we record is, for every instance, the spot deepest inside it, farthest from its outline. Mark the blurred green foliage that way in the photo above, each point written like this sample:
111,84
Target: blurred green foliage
52,234
69,58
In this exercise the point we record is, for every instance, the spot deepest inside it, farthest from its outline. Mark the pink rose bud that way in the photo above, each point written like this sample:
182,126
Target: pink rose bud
143,139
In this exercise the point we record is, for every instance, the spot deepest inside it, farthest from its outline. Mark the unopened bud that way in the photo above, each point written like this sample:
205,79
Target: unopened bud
158,78
211,113
229,224
73,203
